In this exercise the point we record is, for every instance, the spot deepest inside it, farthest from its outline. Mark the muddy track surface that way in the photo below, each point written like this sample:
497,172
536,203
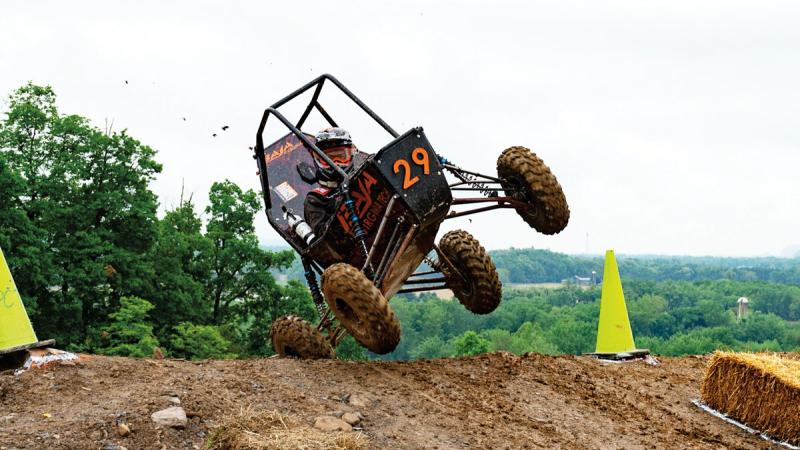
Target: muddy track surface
490,401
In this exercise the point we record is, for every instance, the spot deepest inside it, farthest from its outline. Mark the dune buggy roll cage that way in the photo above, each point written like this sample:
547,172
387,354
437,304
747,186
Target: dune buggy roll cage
468,181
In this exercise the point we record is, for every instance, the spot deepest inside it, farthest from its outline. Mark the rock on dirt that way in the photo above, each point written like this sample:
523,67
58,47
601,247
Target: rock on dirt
357,401
328,423
123,430
174,417
351,418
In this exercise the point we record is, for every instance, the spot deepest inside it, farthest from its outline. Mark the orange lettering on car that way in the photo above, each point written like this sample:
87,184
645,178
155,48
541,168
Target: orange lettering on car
362,199
287,147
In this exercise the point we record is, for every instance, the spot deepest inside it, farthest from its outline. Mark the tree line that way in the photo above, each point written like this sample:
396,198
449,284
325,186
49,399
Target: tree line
101,272
543,266
669,318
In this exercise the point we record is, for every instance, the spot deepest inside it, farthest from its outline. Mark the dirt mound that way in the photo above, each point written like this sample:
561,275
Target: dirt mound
489,401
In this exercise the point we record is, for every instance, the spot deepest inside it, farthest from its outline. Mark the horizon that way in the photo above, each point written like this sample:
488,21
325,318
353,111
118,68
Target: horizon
277,247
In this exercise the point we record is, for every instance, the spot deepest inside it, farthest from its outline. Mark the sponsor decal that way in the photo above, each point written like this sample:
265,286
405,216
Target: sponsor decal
285,191
287,147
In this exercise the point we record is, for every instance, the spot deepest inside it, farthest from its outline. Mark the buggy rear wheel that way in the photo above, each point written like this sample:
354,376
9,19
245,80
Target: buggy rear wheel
360,308
523,171
296,338
476,284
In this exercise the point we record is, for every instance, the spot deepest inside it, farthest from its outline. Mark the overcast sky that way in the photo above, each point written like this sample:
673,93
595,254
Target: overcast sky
672,126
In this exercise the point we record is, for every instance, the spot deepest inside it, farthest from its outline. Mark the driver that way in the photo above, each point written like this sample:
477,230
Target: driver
320,203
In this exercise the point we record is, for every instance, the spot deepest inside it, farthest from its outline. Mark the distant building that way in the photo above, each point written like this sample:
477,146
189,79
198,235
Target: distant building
581,281
742,311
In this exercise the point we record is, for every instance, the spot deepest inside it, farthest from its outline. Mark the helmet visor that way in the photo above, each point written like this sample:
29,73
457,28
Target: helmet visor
341,155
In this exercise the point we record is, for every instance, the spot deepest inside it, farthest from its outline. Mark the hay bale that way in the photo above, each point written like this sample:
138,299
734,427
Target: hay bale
249,429
758,389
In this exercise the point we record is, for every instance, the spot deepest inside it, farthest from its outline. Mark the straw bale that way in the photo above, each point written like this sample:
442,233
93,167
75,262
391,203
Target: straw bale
761,390
249,429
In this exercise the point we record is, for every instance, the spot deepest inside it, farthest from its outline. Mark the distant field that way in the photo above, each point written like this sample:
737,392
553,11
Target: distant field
533,285
445,294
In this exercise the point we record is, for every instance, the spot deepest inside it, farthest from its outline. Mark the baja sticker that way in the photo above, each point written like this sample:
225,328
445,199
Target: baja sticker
285,191
287,147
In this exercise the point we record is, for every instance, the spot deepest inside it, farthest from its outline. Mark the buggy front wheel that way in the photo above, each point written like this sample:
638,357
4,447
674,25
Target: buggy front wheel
361,308
528,179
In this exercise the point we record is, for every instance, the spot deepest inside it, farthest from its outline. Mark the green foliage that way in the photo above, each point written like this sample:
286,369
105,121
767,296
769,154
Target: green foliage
542,266
239,268
431,347
89,216
470,344
180,259
529,338
572,336
129,333
78,225
192,341
79,229
670,318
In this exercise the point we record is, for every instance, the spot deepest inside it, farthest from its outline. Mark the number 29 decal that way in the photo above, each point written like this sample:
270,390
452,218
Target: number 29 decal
420,157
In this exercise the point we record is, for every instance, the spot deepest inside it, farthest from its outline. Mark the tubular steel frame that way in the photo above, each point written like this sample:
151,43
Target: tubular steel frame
468,181
316,83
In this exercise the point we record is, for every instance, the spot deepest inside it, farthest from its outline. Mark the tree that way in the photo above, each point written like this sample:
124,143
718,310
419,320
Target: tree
572,336
239,268
181,259
129,334
529,338
645,313
251,320
21,240
90,213
431,347
498,339
760,327
470,344
192,341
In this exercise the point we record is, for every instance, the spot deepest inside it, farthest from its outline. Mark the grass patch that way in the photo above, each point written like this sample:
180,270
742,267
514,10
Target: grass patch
249,429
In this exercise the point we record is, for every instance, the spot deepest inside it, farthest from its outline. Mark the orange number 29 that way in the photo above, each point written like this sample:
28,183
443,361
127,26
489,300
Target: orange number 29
420,158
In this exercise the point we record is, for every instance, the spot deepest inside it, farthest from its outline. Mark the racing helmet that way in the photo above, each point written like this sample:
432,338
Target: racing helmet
338,146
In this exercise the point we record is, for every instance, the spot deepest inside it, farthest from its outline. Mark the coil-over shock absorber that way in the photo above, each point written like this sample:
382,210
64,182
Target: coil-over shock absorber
358,230
313,286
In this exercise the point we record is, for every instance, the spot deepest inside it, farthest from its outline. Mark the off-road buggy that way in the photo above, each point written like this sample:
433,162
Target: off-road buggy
389,210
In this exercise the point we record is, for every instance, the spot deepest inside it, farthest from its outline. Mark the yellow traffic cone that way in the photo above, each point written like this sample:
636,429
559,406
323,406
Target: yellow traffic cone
16,331
614,335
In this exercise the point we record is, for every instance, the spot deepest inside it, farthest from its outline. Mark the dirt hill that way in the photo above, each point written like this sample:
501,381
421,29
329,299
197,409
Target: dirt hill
490,401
